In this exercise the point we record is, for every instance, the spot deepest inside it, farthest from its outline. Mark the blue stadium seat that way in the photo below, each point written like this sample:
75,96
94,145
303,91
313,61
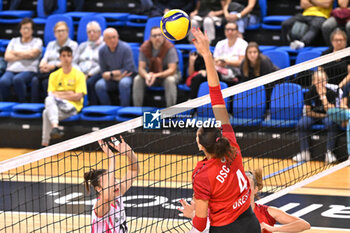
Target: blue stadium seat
271,22
293,52
50,24
78,15
262,5
115,19
12,16
128,113
136,21
320,49
6,108
249,107
135,54
28,110
72,118
151,22
81,32
307,55
205,111
61,8
99,113
264,48
286,107
279,58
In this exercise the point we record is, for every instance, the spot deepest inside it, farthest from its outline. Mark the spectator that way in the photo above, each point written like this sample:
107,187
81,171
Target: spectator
341,115
67,88
243,12
229,54
338,71
331,23
22,55
51,62
255,64
117,65
320,97
196,72
210,14
314,14
86,58
157,66
185,5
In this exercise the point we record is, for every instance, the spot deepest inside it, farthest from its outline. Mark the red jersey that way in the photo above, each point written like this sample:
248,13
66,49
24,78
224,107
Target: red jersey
224,184
263,216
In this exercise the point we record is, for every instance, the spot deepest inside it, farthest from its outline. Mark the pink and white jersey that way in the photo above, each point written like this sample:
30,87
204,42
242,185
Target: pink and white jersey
113,222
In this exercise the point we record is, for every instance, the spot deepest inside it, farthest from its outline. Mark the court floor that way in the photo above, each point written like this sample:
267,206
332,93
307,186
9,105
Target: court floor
313,202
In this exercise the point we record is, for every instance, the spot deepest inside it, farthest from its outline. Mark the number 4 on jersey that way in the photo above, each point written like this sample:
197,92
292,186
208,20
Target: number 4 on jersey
241,181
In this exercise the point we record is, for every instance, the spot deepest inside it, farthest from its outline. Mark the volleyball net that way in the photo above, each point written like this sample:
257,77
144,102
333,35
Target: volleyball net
43,191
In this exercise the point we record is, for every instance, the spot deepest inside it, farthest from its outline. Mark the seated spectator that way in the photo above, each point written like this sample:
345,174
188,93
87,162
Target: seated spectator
208,13
255,64
117,66
314,14
157,66
341,115
243,12
338,71
197,73
67,88
320,97
332,22
51,62
229,54
22,56
86,58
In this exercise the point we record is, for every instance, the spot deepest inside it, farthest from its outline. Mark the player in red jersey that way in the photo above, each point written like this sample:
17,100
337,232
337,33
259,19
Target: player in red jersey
268,215
219,181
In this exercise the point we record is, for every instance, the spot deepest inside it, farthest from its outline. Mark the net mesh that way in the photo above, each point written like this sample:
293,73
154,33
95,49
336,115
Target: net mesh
43,191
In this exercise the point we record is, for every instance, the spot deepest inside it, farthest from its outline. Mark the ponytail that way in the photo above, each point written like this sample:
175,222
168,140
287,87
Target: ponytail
215,143
93,176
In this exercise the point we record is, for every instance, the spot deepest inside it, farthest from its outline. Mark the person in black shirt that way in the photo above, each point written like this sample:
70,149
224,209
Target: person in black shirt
338,71
318,100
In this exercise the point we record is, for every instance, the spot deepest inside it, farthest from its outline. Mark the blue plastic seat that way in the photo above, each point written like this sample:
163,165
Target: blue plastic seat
135,54
14,16
78,15
115,19
274,22
264,48
262,5
136,21
286,107
75,117
6,108
28,110
128,113
206,111
307,55
99,113
279,58
81,32
61,8
320,49
249,107
50,24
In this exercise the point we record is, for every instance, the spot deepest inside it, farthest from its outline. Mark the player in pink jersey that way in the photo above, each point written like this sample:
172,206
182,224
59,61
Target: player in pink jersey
219,181
108,213
268,215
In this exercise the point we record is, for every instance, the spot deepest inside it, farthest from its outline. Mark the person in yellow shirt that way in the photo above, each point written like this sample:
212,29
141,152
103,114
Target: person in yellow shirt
314,14
66,91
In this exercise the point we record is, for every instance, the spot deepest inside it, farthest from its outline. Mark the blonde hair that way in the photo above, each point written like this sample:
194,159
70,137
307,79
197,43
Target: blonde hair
256,176
60,23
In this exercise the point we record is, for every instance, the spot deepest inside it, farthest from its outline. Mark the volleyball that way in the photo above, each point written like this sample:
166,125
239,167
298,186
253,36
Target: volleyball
175,24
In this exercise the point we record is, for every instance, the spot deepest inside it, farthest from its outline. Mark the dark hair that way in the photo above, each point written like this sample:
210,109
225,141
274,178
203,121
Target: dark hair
65,49
25,21
256,176
215,143
94,177
246,62
230,22
154,27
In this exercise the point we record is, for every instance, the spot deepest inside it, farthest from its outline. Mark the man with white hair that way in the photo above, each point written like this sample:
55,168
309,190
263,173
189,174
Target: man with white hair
86,58
117,65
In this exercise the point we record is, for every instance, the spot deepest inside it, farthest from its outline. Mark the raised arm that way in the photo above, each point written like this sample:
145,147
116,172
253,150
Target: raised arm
133,167
219,108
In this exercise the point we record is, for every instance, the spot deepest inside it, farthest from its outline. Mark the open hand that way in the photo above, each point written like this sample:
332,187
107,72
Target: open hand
187,209
201,42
